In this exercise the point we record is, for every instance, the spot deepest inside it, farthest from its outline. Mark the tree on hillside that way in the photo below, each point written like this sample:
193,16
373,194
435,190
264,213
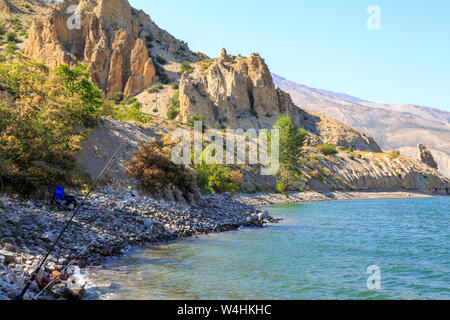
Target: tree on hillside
39,110
84,97
291,142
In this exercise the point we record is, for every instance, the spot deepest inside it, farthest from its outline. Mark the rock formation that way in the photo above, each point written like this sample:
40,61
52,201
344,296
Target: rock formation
426,157
111,39
394,126
239,92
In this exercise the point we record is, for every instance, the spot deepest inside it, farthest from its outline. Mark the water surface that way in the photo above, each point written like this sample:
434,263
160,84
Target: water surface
319,251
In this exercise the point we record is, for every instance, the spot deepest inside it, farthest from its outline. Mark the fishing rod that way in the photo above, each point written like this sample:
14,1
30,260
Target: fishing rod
41,264
62,272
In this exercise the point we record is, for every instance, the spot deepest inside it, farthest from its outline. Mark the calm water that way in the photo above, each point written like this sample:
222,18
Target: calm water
319,251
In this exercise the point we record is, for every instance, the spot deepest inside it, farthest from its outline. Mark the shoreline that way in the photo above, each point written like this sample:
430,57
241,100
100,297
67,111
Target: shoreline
266,199
128,220
28,229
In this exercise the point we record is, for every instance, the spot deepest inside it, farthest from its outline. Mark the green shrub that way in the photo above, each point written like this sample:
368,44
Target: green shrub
172,113
327,149
131,100
11,36
11,48
174,108
217,178
2,29
131,112
350,149
280,187
191,122
205,64
38,113
156,88
185,67
27,6
116,96
394,154
175,85
175,100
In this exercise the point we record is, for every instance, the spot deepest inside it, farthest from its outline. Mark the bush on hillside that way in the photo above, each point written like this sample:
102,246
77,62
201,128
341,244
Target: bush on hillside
217,178
185,67
39,111
116,96
156,88
11,48
11,36
174,108
394,154
327,149
155,171
132,113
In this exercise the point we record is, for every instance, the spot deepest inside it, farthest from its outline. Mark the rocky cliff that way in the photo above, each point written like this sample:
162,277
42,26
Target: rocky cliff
394,126
426,157
362,171
238,92
111,37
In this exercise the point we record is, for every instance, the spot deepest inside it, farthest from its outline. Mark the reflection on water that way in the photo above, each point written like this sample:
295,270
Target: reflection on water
319,251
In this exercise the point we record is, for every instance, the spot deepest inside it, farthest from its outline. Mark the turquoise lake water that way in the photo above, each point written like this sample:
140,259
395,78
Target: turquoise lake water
319,251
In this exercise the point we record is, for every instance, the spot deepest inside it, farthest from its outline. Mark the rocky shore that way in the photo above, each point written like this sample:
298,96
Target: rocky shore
28,229
265,199
113,221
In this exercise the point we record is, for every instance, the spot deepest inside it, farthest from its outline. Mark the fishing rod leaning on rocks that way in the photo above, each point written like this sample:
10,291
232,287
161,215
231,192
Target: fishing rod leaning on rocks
75,259
63,271
41,264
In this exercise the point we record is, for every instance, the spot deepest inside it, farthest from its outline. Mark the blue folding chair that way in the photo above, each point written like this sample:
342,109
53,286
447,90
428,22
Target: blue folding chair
62,199
59,192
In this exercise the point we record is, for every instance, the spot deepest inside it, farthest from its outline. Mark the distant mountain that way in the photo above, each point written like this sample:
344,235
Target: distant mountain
394,126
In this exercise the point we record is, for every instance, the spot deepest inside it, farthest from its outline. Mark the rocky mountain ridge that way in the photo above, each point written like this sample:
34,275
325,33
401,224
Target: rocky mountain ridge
113,38
119,44
393,126
238,92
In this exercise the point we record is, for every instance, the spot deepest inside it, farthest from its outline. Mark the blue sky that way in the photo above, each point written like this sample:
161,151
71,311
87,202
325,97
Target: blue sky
326,44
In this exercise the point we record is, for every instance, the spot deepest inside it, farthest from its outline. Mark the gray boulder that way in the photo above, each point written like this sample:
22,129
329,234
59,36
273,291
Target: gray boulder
49,237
